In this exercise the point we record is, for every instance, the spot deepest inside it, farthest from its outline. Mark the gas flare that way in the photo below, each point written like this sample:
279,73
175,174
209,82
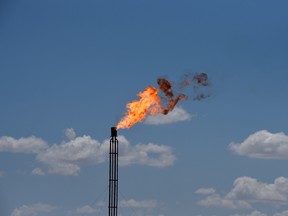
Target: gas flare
149,102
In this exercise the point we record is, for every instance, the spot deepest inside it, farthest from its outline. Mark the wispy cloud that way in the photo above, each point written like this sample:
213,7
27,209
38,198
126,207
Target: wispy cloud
140,207
131,203
67,157
178,114
246,191
2,173
87,209
217,201
258,213
205,191
35,209
253,213
38,171
284,213
263,145
70,133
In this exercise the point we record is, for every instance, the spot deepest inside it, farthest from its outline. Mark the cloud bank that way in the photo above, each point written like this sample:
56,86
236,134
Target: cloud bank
284,213
67,157
30,144
253,213
35,209
258,213
263,145
247,191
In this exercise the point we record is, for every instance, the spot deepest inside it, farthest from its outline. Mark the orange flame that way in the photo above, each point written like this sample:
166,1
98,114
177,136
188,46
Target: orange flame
137,110
150,101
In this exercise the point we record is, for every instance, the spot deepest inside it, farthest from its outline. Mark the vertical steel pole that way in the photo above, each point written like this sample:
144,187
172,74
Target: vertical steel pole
113,173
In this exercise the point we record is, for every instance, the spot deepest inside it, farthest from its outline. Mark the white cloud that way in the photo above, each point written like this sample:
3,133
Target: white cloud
247,188
70,133
87,209
176,115
68,157
263,145
258,213
131,203
145,154
216,200
30,144
246,191
38,171
100,204
205,191
284,213
253,213
32,210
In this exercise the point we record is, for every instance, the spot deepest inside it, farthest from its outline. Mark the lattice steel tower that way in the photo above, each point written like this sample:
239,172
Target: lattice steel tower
113,173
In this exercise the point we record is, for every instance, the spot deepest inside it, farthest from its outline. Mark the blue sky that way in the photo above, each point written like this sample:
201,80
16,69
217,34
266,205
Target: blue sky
68,68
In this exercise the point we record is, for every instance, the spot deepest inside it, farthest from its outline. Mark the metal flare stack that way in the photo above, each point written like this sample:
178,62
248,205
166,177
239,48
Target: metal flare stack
113,173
